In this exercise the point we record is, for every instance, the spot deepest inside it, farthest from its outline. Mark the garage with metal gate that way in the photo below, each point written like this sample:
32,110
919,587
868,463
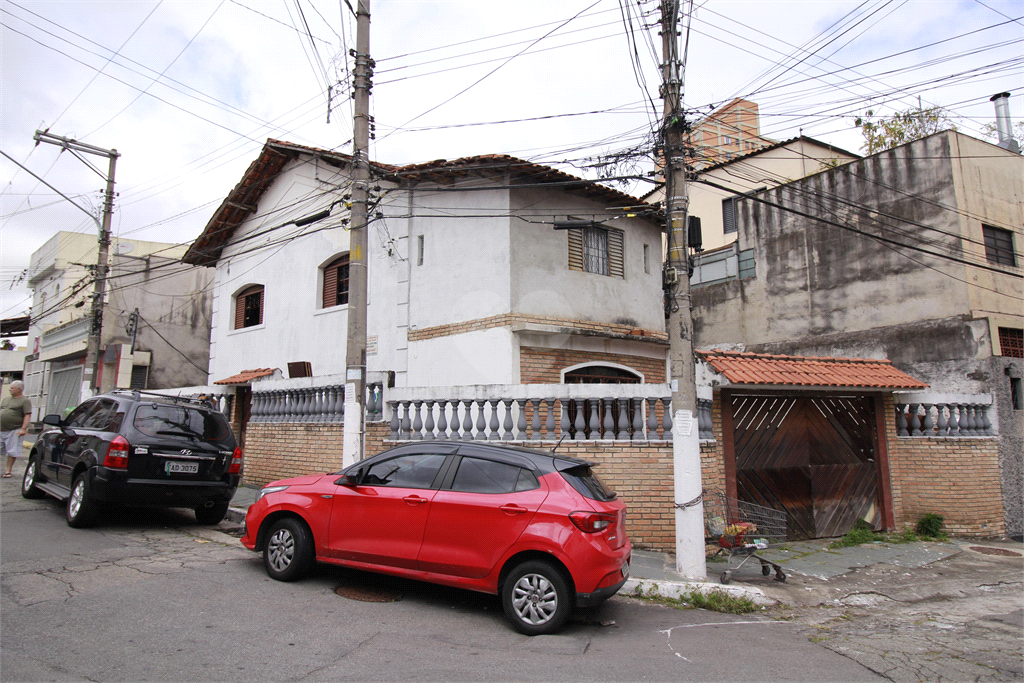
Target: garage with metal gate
807,436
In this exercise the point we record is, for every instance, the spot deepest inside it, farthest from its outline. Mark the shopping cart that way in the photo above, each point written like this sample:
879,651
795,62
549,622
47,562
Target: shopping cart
741,529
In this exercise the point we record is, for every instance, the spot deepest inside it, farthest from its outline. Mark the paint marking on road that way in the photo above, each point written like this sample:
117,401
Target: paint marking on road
668,632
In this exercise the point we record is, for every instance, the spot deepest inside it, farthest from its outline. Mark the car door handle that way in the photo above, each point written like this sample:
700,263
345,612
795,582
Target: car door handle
512,508
414,500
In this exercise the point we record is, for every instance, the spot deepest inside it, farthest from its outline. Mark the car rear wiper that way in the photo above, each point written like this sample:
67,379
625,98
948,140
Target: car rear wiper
183,427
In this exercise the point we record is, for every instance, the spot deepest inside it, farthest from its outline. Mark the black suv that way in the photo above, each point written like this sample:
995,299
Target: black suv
136,448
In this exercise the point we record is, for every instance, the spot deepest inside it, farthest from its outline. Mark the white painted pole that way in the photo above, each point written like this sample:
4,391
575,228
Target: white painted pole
690,556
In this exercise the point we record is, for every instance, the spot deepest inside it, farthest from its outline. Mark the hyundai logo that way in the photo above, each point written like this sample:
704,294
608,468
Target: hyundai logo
185,451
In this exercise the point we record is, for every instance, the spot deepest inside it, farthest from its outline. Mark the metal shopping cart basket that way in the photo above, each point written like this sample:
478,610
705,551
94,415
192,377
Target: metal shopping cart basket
741,529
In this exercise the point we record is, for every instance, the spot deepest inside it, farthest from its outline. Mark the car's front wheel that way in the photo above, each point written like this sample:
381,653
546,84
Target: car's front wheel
81,510
288,553
536,598
28,484
211,515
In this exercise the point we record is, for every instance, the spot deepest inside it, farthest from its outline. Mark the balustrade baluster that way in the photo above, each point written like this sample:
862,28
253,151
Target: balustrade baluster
535,419
521,420
637,406
953,424
417,421
428,424
549,420
442,420
580,424
623,434
927,426
901,420
666,418
492,432
915,420
481,422
506,423
607,428
940,413
406,428
986,424
395,422
467,425
652,419
256,411
972,421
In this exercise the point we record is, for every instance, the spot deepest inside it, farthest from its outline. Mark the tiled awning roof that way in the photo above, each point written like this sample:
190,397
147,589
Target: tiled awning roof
246,376
758,368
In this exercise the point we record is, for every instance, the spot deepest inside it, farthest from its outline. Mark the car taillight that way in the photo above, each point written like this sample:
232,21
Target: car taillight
591,522
117,454
236,462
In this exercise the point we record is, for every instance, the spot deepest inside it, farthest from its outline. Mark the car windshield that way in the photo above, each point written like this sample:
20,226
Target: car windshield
158,419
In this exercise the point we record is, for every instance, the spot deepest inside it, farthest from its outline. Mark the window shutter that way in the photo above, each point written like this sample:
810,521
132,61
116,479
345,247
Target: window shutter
616,258
575,248
330,286
240,311
728,215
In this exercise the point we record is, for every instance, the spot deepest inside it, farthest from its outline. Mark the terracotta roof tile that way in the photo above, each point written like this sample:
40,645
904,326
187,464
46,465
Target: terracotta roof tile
760,368
247,376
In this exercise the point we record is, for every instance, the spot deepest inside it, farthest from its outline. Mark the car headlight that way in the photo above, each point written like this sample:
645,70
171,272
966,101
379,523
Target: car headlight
269,489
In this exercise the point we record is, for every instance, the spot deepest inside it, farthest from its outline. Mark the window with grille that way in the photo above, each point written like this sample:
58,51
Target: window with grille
729,215
336,282
999,246
249,307
597,250
1011,342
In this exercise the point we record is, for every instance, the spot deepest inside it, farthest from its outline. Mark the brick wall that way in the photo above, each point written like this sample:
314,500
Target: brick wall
957,478
544,366
508,319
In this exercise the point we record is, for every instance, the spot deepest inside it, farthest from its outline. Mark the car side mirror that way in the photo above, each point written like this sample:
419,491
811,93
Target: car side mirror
53,420
349,480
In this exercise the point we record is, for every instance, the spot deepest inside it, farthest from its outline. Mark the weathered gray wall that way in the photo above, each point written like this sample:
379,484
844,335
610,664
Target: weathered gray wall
175,301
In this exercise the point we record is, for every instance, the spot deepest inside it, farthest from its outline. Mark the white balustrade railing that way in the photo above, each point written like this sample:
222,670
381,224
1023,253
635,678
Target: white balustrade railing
944,415
321,404
536,412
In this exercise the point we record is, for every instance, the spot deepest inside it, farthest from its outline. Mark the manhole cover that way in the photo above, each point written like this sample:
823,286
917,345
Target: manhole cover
368,594
994,551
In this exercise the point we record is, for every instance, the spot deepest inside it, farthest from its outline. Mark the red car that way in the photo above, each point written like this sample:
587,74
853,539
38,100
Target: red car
537,528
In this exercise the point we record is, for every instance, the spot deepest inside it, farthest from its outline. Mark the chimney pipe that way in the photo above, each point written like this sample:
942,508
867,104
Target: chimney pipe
1005,130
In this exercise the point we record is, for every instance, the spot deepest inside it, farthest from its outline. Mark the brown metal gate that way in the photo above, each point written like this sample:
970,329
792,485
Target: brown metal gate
812,456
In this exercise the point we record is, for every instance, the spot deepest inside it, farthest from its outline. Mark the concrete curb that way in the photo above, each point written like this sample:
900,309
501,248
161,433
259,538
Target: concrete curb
236,515
679,589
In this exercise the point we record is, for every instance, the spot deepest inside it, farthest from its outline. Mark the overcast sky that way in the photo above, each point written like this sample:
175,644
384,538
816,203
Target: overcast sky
187,92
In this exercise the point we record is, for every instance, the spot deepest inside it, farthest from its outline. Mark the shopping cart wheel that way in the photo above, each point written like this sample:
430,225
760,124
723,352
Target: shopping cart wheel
780,576
726,577
766,569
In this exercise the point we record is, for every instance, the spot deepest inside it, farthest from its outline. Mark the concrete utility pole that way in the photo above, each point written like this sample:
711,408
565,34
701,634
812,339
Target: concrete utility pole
90,376
690,558
355,354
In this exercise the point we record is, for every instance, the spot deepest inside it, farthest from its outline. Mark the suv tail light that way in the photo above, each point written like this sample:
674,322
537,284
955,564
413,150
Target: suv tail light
236,462
591,522
117,454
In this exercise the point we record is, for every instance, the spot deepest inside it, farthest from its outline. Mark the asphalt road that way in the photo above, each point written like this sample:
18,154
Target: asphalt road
151,595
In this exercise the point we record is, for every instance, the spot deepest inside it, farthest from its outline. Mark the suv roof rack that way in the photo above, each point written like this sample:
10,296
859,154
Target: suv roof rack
137,394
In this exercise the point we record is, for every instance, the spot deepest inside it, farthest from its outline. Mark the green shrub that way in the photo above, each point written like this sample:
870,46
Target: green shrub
930,525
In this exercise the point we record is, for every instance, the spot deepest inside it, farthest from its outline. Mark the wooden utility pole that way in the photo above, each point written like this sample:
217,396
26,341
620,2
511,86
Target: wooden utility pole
686,443
355,354
90,378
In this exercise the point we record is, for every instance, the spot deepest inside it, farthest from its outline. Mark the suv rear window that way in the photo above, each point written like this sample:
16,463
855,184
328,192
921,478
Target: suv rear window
158,419
583,479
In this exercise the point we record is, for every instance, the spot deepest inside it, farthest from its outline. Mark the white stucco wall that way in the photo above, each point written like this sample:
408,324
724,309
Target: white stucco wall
483,357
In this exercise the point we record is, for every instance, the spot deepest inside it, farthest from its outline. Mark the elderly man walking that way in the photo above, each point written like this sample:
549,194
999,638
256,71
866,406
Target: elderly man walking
15,413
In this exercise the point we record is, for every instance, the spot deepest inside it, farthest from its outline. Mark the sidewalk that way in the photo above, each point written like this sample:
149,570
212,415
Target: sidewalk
815,574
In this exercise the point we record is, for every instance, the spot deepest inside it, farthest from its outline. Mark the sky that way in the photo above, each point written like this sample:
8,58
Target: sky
188,92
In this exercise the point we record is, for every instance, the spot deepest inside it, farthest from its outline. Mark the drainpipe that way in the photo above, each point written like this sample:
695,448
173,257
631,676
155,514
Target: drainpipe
1006,141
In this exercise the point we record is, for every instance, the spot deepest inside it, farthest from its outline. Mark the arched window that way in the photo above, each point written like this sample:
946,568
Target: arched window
601,374
249,307
336,282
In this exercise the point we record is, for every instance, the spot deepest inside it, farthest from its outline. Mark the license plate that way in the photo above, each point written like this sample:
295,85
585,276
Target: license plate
175,467
625,570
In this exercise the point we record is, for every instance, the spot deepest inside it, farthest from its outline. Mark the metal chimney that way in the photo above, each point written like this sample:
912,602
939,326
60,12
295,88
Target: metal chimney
1006,141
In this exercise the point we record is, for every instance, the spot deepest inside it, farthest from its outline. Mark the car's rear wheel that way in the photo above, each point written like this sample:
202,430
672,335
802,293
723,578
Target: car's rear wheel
28,484
288,553
212,514
536,598
81,509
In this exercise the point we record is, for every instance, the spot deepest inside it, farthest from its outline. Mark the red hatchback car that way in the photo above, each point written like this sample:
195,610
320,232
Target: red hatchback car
537,528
